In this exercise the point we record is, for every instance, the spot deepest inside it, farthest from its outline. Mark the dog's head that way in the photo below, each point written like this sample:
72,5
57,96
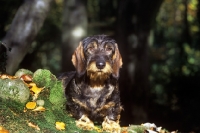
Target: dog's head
98,56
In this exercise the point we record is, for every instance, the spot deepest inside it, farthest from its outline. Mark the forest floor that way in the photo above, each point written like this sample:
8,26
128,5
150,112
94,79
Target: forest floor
44,111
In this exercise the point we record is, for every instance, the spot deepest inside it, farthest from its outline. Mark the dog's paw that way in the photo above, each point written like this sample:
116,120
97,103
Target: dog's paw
111,126
85,123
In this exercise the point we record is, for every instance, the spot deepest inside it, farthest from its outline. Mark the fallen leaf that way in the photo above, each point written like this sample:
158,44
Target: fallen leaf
60,125
33,126
35,89
26,78
98,129
39,108
5,76
3,130
31,105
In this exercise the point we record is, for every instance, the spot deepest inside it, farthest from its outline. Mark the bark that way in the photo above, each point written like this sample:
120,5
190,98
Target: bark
74,29
135,20
24,28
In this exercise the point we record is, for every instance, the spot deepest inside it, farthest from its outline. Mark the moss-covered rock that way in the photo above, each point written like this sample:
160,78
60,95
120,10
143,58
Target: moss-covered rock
44,78
14,89
21,72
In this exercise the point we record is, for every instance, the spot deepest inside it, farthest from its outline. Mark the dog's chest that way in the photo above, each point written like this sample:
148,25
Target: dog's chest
97,97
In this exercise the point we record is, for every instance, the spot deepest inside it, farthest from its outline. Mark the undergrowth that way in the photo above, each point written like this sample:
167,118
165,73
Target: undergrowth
17,119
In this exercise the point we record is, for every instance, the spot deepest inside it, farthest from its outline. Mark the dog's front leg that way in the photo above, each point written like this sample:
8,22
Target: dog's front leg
85,123
111,126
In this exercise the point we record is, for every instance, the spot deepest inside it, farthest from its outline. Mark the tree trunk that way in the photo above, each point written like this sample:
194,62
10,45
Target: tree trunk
24,28
74,29
135,20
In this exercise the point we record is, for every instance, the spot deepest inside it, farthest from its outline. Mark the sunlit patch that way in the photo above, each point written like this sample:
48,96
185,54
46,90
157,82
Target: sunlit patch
78,32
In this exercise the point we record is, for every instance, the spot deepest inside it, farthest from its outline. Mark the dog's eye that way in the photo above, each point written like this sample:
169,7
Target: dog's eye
91,49
108,49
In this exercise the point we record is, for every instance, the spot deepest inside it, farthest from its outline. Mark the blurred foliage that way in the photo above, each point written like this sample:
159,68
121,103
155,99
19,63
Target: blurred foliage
175,59
8,8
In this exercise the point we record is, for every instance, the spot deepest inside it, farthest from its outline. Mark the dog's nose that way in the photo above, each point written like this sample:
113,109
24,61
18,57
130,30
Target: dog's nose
100,64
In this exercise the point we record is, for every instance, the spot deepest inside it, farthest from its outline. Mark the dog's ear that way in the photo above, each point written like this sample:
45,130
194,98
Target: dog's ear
78,60
117,62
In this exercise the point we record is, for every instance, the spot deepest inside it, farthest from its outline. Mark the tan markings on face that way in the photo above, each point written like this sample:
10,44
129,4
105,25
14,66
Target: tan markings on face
91,47
109,48
98,76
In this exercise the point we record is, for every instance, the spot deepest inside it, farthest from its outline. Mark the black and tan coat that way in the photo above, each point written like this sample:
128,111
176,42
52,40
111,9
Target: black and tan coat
92,90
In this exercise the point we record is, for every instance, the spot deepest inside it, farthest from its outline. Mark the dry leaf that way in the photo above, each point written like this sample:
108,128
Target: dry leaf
31,105
40,108
60,125
33,126
26,78
5,76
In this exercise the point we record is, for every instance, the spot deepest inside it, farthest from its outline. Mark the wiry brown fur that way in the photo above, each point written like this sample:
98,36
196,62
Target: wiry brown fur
97,78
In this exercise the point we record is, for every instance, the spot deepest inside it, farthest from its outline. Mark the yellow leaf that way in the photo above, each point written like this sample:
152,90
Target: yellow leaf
40,108
3,130
98,129
60,125
31,105
35,89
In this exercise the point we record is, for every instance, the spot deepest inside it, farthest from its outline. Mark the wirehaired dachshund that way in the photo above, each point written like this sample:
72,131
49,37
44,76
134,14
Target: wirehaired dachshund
92,91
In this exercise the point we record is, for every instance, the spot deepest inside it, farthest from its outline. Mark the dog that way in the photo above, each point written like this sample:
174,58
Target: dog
92,90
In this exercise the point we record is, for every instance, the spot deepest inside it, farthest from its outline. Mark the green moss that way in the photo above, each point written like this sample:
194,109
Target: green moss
49,116
57,97
44,78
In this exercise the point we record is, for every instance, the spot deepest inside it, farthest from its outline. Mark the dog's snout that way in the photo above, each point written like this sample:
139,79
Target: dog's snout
100,64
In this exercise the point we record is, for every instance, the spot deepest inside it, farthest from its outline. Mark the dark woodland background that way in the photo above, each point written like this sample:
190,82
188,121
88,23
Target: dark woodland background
159,41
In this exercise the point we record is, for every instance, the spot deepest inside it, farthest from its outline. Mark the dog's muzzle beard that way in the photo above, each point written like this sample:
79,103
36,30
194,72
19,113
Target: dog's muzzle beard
98,73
